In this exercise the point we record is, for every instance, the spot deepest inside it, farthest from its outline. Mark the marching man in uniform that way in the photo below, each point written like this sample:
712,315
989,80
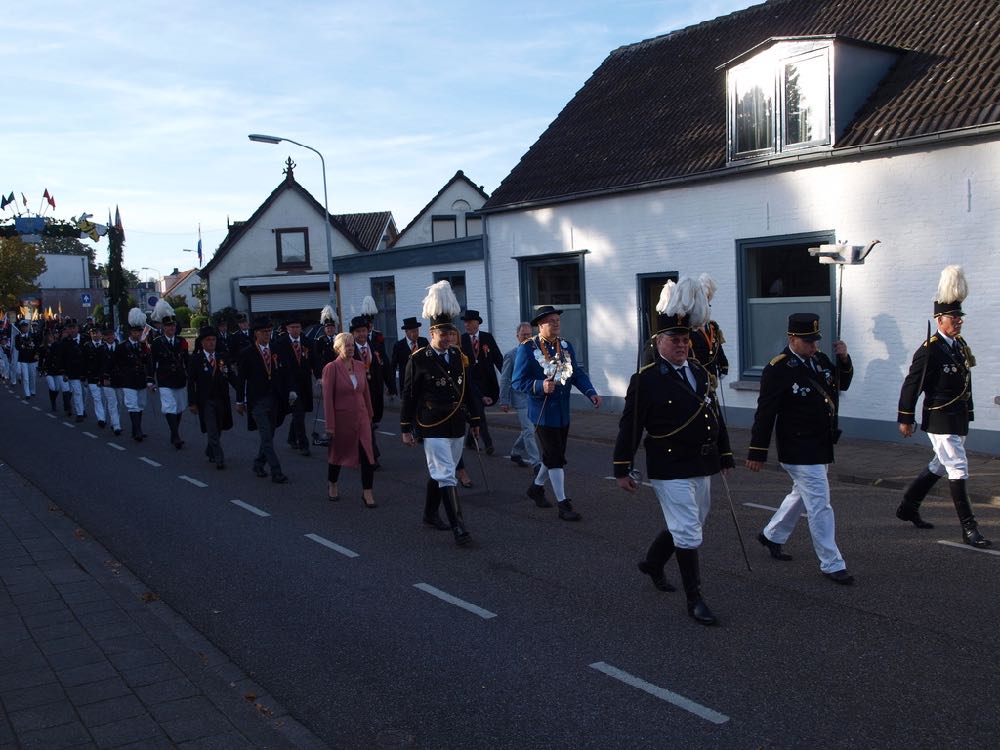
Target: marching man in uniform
942,370
208,380
437,398
135,371
799,397
673,402
26,345
170,364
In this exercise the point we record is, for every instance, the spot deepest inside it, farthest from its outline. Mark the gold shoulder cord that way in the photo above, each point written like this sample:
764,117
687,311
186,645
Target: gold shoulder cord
454,411
701,407
969,363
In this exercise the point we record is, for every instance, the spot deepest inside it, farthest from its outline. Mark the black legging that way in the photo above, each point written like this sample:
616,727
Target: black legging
367,470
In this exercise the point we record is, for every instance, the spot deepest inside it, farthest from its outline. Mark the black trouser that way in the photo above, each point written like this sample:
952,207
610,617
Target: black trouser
263,416
367,470
210,415
297,429
552,441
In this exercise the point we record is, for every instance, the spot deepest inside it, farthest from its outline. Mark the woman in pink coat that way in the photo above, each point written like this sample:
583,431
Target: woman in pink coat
347,407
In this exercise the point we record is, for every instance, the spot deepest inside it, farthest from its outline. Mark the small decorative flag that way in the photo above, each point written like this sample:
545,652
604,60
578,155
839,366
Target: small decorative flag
118,224
199,246
47,196
7,200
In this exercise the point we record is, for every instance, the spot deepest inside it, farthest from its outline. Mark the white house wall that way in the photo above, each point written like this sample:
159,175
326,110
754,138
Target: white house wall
255,252
420,232
929,209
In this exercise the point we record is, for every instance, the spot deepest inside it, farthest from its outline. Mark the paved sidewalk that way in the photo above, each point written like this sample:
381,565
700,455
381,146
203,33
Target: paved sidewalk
89,658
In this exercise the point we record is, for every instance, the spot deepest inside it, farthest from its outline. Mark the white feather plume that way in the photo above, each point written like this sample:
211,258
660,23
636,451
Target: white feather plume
327,316
665,294
136,317
709,285
161,310
952,286
440,300
368,306
686,297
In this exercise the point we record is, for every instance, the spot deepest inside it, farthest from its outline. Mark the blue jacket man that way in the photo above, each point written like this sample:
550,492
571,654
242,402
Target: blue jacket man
546,369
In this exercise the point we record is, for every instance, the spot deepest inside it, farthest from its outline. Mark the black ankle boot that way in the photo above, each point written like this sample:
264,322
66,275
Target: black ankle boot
432,499
68,403
135,418
660,551
452,509
970,529
53,397
687,561
909,509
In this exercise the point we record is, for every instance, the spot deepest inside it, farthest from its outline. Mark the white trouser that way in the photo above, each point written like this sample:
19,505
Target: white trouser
54,383
29,377
76,388
443,455
4,365
949,456
97,397
111,404
810,494
64,385
173,400
685,504
134,399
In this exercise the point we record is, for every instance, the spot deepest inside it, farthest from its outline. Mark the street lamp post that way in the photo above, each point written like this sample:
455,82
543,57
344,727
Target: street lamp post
275,140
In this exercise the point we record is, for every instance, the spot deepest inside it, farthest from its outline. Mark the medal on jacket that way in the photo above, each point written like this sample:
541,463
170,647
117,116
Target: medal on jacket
267,361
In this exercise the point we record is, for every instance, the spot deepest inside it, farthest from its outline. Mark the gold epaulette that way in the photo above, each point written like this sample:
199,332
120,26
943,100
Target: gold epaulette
931,340
778,359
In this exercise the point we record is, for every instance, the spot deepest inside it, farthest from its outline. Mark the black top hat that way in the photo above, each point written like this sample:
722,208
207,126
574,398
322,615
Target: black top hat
261,322
70,322
409,324
107,328
241,318
168,320
543,311
804,325
672,324
472,315
360,321
207,331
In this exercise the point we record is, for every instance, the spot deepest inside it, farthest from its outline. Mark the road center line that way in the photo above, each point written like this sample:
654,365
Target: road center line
51,416
662,693
758,505
37,408
149,461
383,432
446,597
90,435
252,509
968,547
192,480
116,446
68,424
332,545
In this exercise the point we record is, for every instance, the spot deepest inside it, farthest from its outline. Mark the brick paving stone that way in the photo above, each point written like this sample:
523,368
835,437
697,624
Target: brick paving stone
26,656
82,695
134,729
112,615
34,597
156,743
55,617
194,727
41,717
78,658
89,673
168,690
182,709
138,658
67,575
85,595
149,674
55,738
72,643
85,608
39,695
111,710
55,632
125,643
27,678
115,630
37,608
228,741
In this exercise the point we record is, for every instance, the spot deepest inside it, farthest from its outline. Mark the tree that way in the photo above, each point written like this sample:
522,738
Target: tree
20,266
176,300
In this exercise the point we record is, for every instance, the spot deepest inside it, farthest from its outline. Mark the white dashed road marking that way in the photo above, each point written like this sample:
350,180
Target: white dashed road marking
446,597
383,432
192,480
332,545
37,408
52,416
757,505
116,446
90,435
662,693
969,548
252,509
149,461
68,424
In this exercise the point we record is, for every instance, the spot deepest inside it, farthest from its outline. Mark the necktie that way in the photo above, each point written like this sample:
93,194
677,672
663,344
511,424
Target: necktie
297,348
413,346
683,372
475,346
211,360
811,361
365,355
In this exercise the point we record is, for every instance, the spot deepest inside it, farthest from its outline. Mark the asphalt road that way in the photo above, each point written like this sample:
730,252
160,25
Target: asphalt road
376,632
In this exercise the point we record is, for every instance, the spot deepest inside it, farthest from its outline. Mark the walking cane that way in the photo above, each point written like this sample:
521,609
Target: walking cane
736,523
482,468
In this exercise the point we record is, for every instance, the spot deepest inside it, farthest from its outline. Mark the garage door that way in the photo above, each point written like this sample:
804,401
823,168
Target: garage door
262,302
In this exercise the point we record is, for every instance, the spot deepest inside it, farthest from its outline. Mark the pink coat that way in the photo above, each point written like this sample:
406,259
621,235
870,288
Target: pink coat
348,412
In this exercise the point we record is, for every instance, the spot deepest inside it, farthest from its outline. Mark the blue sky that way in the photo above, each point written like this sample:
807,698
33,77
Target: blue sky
147,105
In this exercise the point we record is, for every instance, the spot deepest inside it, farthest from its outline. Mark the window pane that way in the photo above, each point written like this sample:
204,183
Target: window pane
384,294
786,271
457,281
807,98
293,247
556,285
754,110
473,226
442,229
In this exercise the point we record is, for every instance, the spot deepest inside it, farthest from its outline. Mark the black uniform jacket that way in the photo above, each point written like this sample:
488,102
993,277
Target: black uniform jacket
109,376
170,361
223,342
298,369
946,385
71,357
134,365
378,377
210,385
437,399
239,342
400,356
323,354
257,379
484,368
685,433
27,348
804,406
706,347
92,354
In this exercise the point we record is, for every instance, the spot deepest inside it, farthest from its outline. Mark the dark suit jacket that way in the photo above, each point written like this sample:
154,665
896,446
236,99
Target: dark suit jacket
484,368
134,365
378,378
255,381
206,385
298,371
322,354
947,388
71,357
400,356
170,361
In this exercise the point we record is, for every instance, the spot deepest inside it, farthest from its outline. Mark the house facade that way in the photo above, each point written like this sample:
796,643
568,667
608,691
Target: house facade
734,146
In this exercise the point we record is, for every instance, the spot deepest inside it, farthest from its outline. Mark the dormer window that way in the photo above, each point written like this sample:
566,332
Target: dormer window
790,94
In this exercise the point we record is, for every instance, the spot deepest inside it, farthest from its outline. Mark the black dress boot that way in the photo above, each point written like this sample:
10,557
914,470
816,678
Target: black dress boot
135,418
68,403
687,561
432,499
660,551
173,422
452,509
53,397
970,529
909,509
